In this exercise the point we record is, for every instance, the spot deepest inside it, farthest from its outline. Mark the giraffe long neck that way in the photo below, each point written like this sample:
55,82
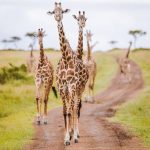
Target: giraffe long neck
31,52
128,52
62,40
89,50
41,49
80,43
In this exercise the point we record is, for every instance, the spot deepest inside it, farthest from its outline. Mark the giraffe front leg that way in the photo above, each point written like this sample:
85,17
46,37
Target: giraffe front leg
45,111
45,106
67,136
79,109
38,101
75,125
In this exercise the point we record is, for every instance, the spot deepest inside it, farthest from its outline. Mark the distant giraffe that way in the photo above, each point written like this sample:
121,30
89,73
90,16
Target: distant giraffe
31,60
124,65
43,80
67,78
91,65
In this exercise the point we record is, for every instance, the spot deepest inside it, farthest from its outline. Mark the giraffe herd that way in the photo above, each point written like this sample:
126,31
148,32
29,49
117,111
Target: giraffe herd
73,74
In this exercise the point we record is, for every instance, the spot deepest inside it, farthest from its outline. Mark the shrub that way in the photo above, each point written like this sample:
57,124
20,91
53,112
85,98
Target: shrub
13,73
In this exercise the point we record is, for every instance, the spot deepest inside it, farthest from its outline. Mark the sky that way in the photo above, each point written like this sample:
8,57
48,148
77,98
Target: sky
107,19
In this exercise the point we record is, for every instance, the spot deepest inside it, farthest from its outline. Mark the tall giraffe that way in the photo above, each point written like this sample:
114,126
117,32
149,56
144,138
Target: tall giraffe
81,20
91,65
124,64
31,60
67,78
43,80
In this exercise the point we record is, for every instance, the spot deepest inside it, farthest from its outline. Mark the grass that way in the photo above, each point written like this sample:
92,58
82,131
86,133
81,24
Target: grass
136,113
17,103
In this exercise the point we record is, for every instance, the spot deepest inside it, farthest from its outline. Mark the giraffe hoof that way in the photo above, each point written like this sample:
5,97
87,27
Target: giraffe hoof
38,122
67,143
76,141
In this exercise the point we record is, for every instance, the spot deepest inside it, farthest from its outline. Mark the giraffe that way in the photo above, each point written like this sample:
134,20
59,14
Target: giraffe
43,80
67,78
91,65
31,60
124,65
81,20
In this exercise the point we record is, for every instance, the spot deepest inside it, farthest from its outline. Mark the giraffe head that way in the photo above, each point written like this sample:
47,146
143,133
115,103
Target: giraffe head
81,19
40,35
58,12
89,35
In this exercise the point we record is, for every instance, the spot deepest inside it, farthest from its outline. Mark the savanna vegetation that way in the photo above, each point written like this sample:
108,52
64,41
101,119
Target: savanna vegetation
136,112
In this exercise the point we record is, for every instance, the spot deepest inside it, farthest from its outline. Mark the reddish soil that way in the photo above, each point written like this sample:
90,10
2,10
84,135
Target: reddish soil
96,133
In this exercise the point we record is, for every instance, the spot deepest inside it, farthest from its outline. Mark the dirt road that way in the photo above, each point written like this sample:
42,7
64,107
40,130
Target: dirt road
96,133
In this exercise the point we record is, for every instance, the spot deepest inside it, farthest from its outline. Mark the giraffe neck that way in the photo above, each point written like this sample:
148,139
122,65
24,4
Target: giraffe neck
31,52
89,50
41,50
62,41
80,43
127,54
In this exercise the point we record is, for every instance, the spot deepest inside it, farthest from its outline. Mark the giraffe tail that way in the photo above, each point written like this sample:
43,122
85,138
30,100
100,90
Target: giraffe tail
54,91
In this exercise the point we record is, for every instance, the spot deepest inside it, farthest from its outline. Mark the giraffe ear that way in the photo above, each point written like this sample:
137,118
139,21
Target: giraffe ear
66,11
75,17
50,12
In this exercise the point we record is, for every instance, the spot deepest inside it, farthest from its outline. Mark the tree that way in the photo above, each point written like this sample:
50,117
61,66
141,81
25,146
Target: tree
113,42
15,39
136,34
32,36
5,42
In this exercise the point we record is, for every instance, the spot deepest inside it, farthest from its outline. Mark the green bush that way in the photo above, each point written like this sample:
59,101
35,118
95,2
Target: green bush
13,73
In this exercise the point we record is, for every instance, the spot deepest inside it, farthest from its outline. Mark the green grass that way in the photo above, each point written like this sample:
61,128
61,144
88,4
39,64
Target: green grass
136,113
17,102
106,69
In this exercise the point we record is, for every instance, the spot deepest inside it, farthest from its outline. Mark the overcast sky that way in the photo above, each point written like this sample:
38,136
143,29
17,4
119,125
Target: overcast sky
107,19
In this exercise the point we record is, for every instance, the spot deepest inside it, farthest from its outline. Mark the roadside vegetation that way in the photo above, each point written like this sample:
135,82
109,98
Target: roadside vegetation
136,112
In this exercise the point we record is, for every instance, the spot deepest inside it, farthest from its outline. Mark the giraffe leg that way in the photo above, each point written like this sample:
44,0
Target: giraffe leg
67,136
65,115
38,101
68,121
75,125
79,109
45,104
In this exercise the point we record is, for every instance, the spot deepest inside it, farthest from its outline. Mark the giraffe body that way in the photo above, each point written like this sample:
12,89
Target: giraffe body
125,67
43,80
